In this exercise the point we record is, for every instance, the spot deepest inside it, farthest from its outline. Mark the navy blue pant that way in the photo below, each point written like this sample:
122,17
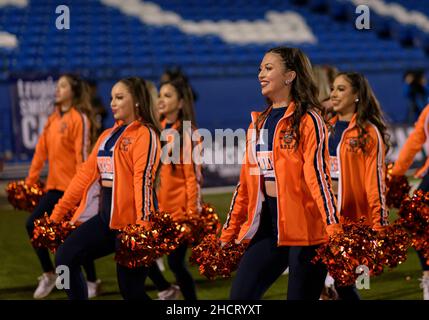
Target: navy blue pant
264,261
158,278
347,292
177,264
47,204
92,240
424,185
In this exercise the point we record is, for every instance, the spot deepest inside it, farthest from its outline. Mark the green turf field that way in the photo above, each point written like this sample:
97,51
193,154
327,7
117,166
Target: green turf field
19,268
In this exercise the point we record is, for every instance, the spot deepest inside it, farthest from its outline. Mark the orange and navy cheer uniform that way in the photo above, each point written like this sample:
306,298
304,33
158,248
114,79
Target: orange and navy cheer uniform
179,194
282,231
180,183
65,143
305,203
135,160
128,156
417,140
360,171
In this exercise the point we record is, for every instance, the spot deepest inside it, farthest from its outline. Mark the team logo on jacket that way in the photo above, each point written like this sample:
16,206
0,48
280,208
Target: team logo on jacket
355,144
352,144
125,143
287,139
63,127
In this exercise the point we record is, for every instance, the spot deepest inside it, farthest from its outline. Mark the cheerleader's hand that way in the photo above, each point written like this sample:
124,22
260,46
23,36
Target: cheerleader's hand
147,225
334,228
380,228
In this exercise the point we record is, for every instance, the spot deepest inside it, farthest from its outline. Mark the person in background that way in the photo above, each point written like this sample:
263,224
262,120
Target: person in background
65,143
417,140
176,73
166,291
358,145
179,192
100,112
416,92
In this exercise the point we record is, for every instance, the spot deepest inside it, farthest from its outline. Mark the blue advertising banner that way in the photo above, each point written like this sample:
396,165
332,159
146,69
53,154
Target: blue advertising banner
32,103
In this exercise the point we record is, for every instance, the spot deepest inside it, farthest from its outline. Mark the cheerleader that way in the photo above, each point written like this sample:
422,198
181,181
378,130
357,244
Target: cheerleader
180,180
283,204
117,181
357,149
418,139
166,291
65,142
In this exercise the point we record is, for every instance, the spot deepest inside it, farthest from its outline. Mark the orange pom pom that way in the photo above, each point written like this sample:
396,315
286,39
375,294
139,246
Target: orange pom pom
215,261
201,225
398,188
24,197
141,247
50,235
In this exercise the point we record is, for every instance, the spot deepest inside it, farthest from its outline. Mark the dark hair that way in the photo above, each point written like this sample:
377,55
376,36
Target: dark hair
304,91
143,99
184,93
82,102
187,112
174,73
367,108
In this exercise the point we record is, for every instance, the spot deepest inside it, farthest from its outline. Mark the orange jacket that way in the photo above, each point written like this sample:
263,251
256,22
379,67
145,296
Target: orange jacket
418,138
135,157
180,184
305,201
65,143
361,180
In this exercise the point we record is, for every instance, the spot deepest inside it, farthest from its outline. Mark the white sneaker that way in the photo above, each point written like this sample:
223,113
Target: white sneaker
329,292
171,293
94,288
424,284
46,284
160,263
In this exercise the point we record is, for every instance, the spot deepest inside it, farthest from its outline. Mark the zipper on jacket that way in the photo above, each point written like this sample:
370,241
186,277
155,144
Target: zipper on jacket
277,189
340,187
257,199
113,177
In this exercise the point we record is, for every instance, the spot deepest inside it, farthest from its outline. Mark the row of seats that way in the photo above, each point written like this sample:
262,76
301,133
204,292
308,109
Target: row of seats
112,40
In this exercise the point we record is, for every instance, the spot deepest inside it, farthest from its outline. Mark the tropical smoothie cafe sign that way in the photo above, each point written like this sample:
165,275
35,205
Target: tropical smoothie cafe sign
32,103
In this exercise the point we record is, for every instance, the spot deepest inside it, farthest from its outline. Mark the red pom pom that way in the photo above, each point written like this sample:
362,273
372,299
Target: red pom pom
215,261
414,218
398,188
141,247
201,225
392,246
50,235
348,250
24,197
